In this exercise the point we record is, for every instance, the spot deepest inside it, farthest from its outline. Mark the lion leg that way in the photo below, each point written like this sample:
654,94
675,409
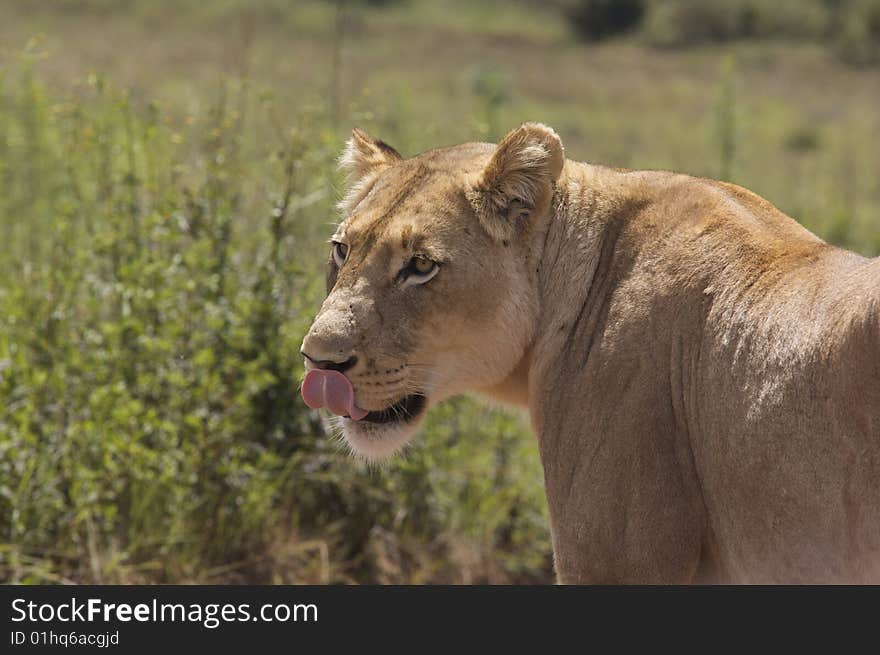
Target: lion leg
642,552
624,512
672,559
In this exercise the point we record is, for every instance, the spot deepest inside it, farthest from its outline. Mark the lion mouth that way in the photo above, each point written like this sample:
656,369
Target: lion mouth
404,410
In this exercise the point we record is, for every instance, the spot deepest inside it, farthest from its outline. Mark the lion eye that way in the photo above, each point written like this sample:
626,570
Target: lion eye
340,253
422,265
419,270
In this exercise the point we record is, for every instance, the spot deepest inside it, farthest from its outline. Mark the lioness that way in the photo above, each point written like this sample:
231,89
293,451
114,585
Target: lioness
702,373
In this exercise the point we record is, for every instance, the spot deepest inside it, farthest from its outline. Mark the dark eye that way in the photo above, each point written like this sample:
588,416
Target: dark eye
419,270
340,253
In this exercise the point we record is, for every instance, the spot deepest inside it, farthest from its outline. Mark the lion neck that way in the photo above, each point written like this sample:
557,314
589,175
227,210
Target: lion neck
577,252
565,256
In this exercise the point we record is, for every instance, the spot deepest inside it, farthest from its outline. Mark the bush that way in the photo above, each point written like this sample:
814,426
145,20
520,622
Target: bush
149,367
680,23
858,39
790,19
597,19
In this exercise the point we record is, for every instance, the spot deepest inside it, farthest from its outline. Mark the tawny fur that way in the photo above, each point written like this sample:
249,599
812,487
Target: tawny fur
702,373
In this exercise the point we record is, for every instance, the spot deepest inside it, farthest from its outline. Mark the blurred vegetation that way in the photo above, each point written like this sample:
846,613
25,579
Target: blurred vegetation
857,33
598,19
850,27
167,182
688,22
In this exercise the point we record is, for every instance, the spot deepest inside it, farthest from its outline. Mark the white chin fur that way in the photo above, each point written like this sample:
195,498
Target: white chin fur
377,442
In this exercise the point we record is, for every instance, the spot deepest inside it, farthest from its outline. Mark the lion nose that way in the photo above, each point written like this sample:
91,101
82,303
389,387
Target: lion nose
329,364
329,343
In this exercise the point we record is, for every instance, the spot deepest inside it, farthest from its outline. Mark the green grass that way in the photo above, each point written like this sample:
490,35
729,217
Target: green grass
167,183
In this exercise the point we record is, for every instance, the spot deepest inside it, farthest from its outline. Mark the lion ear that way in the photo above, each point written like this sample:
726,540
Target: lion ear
362,158
364,155
518,180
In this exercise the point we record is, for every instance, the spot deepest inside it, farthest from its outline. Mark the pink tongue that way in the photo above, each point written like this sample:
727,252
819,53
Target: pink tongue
331,389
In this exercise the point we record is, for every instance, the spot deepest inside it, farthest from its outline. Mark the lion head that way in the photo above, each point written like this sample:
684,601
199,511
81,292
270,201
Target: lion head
431,283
